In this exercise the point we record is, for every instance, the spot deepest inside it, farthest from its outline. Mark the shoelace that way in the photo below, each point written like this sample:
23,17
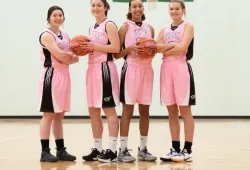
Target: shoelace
171,152
126,152
146,152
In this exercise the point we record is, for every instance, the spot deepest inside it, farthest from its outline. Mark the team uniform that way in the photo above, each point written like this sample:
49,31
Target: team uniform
136,82
102,78
177,80
55,83
137,73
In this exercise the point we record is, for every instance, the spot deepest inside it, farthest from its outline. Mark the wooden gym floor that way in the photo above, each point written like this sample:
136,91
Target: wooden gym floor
218,145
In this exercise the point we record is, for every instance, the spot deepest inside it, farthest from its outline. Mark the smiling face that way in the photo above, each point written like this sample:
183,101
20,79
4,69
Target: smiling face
136,8
176,10
56,18
98,8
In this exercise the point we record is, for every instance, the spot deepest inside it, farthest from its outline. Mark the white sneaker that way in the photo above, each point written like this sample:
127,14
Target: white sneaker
168,157
183,156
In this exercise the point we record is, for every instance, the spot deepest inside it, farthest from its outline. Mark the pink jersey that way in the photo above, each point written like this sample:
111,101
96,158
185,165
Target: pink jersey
98,35
135,31
175,35
46,58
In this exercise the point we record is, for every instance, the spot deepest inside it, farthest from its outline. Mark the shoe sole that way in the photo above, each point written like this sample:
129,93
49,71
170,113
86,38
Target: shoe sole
90,160
145,159
183,160
49,161
129,161
107,161
166,160
67,160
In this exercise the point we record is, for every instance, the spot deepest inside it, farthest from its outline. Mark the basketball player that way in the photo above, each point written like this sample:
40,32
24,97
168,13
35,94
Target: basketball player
102,81
136,81
177,81
54,85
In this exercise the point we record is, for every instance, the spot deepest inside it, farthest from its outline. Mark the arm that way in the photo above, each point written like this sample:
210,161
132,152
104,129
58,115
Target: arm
161,46
49,42
113,36
183,46
152,31
122,33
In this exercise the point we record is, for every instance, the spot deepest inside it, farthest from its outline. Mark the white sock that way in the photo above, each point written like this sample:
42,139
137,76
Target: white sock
143,142
123,142
112,143
98,144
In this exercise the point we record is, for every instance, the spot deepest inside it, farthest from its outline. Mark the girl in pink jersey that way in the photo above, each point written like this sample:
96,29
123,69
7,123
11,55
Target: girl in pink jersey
177,81
102,83
136,81
54,85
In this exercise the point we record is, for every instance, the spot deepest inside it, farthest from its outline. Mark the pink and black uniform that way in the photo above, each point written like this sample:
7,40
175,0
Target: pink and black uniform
54,84
137,73
102,78
177,80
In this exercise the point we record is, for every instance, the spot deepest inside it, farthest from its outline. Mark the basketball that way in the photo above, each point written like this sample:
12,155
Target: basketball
150,46
75,45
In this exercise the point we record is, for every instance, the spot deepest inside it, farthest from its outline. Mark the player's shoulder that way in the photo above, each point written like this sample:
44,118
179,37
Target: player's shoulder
189,25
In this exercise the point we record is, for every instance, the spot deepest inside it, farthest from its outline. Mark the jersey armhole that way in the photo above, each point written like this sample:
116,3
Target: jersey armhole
106,26
41,36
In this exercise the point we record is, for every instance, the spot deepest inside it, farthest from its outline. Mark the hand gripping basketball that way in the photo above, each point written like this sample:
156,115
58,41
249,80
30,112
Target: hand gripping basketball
149,46
75,45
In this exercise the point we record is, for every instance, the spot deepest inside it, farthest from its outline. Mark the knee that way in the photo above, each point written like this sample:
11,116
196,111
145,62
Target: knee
48,116
144,111
144,115
127,111
94,114
58,117
185,112
173,116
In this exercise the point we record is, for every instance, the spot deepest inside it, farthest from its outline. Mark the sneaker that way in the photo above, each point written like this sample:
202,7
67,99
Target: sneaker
144,155
63,155
183,156
124,156
167,157
46,156
108,156
93,156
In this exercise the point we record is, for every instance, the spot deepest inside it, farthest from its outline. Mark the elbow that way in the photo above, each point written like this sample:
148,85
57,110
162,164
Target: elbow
116,56
117,50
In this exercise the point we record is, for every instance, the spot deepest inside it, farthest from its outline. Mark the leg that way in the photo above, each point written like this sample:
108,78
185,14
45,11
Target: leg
185,95
113,125
57,128
127,113
45,126
144,119
187,117
143,154
174,125
97,130
57,125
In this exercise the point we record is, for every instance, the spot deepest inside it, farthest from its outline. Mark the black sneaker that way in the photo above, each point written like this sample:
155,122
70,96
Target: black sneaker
46,156
108,156
93,156
63,155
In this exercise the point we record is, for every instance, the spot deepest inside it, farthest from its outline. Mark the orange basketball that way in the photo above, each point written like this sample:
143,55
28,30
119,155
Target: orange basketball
150,46
75,45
